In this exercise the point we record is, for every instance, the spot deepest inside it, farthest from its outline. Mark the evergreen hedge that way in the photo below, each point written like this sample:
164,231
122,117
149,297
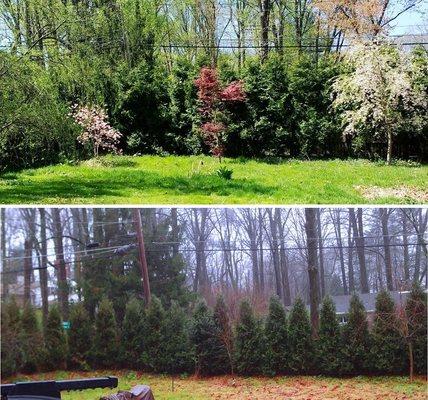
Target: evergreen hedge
172,341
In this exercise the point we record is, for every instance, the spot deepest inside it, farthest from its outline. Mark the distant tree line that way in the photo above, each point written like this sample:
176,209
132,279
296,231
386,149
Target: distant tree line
205,341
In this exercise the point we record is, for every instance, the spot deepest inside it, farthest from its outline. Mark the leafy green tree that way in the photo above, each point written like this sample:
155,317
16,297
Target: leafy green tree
329,343
55,341
32,340
203,339
249,342
276,333
106,340
80,337
133,333
223,331
301,346
356,339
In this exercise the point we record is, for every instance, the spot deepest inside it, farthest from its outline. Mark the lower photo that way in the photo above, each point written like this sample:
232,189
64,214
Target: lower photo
214,303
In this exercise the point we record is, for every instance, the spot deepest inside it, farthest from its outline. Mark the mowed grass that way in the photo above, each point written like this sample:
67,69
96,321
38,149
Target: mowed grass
193,180
238,388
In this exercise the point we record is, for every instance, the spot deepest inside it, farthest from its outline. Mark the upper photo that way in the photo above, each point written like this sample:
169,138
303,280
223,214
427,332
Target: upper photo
213,102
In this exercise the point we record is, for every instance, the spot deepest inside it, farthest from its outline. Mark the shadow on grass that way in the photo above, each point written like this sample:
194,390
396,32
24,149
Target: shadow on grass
121,183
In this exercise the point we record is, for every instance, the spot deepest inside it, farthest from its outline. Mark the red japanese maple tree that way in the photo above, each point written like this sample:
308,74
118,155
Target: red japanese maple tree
213,99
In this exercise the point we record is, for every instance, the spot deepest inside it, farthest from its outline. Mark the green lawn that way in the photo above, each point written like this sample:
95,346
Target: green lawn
238,388
193,180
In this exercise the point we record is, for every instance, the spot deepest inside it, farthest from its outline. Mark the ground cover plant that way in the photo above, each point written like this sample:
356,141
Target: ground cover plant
195,180
257,388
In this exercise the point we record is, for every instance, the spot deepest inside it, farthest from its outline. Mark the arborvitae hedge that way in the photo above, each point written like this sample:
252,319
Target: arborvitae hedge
416,311
276,333
223,331
106,342
55,341
249,342
329,346
203,339
167,341
302,352
388,351
80,338
32,340
133,334
356,340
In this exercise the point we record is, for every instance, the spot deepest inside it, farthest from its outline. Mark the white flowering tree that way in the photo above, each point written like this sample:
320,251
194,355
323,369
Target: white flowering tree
378,95
96,128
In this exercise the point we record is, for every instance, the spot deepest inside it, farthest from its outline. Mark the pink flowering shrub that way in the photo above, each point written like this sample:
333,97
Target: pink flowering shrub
213,98
96,128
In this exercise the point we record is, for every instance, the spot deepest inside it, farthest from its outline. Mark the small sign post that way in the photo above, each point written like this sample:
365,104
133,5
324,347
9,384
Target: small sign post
66,325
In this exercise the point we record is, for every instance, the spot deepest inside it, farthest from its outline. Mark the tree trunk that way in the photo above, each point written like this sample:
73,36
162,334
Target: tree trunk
265,6
360,244
350,259
411,361
28,269
386,248
311,239
405,248
338,231
321,254
63,289
5,288
389,151
43,273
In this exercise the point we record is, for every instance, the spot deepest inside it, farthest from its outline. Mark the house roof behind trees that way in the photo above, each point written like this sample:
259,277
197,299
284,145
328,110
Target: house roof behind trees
368,299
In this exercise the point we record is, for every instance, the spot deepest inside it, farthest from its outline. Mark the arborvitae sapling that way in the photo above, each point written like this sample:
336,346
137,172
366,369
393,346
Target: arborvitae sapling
249,342
300,341
276,333
80,337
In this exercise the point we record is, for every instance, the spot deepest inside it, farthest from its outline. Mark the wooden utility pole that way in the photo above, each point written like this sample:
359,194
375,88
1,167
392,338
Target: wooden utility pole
142,255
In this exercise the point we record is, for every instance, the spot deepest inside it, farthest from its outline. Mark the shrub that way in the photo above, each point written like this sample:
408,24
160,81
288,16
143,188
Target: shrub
300,340
133,333
329,353
177,351
106,340
223,362
356,340
154,350
276,333
11,349
32,340
80,337
203,339
416,311
55,341
249,342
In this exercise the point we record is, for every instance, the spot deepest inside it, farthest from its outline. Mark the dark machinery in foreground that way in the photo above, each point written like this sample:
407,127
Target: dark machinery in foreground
51,390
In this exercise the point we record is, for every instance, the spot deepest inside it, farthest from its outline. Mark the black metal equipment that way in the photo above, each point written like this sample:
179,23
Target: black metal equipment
51,390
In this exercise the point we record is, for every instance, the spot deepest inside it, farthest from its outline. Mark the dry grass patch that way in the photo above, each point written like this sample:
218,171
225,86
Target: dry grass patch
402,192
254,388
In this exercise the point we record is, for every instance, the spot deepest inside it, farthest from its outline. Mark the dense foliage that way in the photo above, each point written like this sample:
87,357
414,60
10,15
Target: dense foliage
277,108
173,340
